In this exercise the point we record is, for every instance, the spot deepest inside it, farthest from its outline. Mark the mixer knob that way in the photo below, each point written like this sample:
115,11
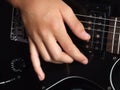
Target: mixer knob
18,65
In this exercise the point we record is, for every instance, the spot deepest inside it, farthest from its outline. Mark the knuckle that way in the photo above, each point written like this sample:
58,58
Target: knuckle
69,49
69,46
69,9
54,24
57,57
47,59
78,27
43,32
72,50
33,56
70,61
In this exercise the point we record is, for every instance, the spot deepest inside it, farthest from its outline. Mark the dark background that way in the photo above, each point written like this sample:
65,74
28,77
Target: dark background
10,50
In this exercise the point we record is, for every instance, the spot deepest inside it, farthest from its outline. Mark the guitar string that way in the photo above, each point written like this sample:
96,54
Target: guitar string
99,24
98,43
100,18
85,22
111,21
108,39
106,32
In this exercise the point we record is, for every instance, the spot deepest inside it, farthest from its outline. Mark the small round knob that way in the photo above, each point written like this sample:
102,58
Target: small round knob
18,65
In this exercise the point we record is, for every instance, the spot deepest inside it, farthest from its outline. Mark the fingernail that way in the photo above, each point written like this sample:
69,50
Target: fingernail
85,61
85,35
40,78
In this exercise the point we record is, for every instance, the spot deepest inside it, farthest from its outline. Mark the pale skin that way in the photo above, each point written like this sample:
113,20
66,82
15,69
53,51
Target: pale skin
44,23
